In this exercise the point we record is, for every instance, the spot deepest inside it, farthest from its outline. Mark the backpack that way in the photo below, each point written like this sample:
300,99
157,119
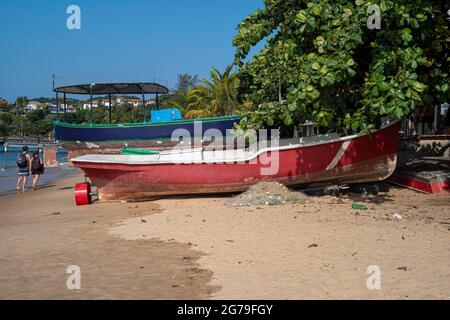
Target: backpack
22,160
36,165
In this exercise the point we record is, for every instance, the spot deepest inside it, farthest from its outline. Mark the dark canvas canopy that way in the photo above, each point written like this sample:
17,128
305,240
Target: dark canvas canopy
111,89
114,88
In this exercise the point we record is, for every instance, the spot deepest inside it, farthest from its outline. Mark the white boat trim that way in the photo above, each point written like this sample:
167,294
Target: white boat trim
339,155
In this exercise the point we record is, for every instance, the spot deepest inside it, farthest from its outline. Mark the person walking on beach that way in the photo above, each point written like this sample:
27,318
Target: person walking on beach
37,169
23,168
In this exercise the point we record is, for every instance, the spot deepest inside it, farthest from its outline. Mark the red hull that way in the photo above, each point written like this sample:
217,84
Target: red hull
421,185
360,159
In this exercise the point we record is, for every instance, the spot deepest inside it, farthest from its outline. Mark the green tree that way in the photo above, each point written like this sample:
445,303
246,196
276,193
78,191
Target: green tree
4,106
80,116
20,125
214,97
39,123
6,121
217,95
21,103
99,114
179,98
186,81
321,62
185,102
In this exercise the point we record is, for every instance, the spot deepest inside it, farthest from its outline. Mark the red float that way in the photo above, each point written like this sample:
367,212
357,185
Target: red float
83,194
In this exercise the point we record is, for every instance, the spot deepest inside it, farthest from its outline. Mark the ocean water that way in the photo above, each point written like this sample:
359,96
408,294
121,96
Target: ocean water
8,171
8,160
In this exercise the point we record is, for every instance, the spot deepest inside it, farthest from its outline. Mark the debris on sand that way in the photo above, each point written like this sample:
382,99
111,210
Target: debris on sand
396,216
268,193
356,206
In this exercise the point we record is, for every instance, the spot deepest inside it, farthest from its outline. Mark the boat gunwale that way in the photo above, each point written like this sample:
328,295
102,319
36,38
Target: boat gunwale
126,158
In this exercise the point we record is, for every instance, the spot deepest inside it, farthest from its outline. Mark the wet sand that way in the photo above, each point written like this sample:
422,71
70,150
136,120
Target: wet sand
8,179
42,233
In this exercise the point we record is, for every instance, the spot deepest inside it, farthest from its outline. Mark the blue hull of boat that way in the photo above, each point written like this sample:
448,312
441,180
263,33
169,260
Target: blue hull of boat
132,132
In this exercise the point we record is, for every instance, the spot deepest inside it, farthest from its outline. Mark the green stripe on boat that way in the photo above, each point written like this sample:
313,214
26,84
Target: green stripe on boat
139,152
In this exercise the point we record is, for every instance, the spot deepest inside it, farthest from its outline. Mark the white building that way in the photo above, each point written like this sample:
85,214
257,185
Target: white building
134,102
87,105
32,106
120,100
106,103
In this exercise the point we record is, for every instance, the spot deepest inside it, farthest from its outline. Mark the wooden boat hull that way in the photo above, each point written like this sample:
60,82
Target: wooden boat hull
427,175
355,160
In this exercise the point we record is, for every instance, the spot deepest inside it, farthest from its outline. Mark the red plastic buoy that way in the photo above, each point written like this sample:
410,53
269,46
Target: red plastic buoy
83,194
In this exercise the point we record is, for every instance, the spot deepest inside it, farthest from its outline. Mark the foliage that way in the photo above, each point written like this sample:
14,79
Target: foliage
41,123
184,101
321,62
186,82
4,105
5,123
214,97
219,94
100,114
180,97
21,103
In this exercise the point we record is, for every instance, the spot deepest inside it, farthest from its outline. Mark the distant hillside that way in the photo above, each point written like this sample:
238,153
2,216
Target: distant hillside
51,100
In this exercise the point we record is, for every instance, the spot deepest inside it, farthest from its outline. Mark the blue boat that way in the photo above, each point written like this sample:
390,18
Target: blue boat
81,139
127,132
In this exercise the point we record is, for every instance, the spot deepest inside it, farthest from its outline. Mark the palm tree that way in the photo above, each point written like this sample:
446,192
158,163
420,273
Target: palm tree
214,97
21,103
185,101
219,94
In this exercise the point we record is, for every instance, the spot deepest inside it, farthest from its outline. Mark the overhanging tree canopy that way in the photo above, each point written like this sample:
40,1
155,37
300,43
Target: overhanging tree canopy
322,62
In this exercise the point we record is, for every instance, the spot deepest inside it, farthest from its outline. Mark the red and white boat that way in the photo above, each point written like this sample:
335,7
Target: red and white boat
319,159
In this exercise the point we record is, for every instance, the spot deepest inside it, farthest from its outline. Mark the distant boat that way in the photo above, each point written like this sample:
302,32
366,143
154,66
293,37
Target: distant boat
319,159
81,139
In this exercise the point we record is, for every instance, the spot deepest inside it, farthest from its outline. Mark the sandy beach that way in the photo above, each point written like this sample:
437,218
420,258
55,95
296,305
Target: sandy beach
201,248
42,233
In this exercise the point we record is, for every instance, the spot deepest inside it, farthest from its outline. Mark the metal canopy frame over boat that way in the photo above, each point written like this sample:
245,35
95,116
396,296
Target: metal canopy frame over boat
113,88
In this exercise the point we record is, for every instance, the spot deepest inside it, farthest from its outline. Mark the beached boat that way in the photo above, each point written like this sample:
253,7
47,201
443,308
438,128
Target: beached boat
154,132
320,159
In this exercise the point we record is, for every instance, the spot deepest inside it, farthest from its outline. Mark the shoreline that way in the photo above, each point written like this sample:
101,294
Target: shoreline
51,175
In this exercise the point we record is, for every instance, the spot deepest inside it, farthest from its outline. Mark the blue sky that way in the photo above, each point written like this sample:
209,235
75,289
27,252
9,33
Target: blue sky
128,40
